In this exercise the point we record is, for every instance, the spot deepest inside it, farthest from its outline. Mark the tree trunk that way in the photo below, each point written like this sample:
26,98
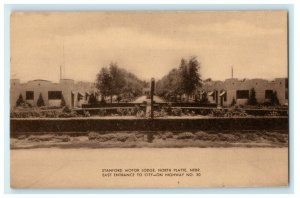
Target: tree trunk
111,98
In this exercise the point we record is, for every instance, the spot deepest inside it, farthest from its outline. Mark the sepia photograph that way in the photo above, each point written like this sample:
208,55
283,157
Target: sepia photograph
149,99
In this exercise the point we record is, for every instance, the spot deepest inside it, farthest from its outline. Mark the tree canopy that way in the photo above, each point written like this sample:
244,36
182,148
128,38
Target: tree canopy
182,80
114,80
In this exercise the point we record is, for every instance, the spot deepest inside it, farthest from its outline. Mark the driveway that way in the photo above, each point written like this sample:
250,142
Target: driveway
144,98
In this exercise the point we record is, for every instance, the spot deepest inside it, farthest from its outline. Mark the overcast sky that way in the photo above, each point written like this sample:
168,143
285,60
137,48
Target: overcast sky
148,44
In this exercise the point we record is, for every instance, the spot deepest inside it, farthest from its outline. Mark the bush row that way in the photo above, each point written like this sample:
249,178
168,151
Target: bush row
140,112
138,124
68,113
99,105
214,112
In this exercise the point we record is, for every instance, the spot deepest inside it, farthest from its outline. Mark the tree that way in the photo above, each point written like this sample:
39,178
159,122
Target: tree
118,79
274,100
190,78
92,99
252,98
40,101
62,102
184,80
204,99
20,101
170,85
233,102
104,82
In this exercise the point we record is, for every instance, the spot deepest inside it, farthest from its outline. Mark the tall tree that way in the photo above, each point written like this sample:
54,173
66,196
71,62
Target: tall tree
104,83
118,79
92,99
190,77
184,80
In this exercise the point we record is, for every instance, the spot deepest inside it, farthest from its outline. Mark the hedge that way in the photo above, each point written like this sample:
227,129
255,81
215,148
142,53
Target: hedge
135,124
185,104
98,105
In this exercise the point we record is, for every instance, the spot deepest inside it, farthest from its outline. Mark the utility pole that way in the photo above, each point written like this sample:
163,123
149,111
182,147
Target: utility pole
60,74
151,96
231,72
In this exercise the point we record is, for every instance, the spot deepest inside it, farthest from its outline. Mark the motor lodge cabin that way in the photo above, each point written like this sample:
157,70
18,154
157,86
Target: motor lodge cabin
223,92
218,92
74,94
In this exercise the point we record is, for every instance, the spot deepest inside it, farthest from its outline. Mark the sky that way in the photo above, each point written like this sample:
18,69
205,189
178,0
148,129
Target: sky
148,44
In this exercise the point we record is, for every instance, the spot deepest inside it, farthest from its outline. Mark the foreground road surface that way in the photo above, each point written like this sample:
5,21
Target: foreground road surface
83,168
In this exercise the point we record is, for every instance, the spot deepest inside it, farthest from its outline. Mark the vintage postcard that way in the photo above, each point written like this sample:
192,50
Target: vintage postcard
149,99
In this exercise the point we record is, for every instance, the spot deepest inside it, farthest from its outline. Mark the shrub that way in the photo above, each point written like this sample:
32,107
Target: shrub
273,113
122,137
121,111
129,112
177,111
140,114
62,102
186,135
233,102
62,138
66,109
102,112
131,138
251,136
204,112
67,115
163,113
274,100
252,99
235,112
20,101
204,99
168,134
92,99
200,135
193,113
218,113
86,113
40,101
150,137
105,137
21,137
93,135
227,137
40,138
186,112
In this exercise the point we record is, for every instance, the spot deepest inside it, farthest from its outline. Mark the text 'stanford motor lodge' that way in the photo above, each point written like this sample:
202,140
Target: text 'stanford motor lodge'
218,92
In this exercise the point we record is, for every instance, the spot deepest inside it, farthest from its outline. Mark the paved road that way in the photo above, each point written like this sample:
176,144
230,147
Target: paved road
143,98
65,168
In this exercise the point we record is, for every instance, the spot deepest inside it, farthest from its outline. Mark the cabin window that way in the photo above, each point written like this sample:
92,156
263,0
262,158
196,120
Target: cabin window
242,94
268,94
29,95
54,95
